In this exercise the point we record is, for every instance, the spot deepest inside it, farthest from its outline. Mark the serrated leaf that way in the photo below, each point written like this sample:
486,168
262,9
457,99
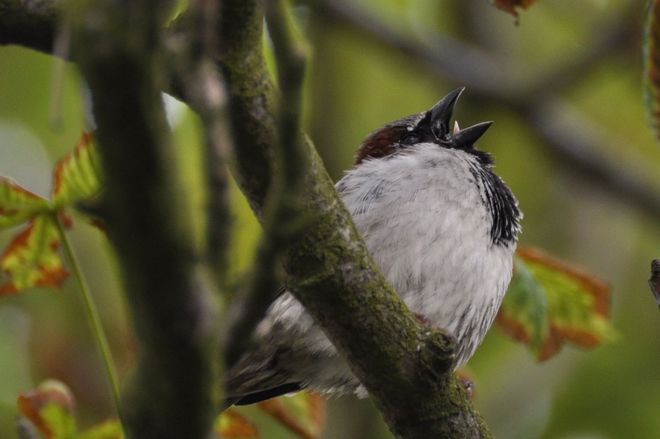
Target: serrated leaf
303,413
232,425
550,303
524,313
32,258
17,204
652,66
50,409
511,6
76,176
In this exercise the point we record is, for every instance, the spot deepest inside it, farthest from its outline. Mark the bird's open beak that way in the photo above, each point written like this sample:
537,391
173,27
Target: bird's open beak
441,113
440,119
467,137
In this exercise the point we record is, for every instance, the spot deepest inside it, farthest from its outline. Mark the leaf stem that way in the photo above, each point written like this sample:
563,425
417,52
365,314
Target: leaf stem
92,316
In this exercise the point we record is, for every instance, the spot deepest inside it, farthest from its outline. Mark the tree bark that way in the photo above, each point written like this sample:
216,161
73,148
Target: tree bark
174,391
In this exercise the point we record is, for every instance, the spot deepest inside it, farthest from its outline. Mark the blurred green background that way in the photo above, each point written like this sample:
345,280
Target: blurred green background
354,87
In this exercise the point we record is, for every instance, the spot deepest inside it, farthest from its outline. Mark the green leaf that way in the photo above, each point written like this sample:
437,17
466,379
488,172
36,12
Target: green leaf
233,425
652,65
50,409
108,430
18,204
76,176
303,414
32,258
550,303
525,312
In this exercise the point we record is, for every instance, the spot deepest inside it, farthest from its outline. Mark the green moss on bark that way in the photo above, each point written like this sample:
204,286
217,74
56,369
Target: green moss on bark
406,368
174,392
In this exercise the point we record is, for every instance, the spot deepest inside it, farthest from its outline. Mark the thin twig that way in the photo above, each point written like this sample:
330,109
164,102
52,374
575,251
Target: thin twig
93,317
203,89
284,217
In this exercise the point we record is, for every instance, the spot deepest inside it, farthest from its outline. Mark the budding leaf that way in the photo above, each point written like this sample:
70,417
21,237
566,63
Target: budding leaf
233,425
303,413
76,175
50,409
108,430
32,258
550,303
17,204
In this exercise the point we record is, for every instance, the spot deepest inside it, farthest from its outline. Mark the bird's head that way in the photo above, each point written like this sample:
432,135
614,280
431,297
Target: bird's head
432,126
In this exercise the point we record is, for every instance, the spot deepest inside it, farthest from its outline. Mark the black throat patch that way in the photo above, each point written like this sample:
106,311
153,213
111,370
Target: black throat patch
500,203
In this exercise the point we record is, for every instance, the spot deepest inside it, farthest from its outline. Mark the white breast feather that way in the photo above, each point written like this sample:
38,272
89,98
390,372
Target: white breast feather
424,222
429,231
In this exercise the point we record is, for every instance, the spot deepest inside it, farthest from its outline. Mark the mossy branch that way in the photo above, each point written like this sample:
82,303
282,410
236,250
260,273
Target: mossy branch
202,88
405,367
174,391
284,217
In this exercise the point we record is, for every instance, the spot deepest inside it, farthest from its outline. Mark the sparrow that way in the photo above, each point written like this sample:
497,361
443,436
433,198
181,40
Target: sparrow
441,225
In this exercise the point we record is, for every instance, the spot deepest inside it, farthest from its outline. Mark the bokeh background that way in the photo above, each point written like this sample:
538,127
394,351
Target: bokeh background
356,84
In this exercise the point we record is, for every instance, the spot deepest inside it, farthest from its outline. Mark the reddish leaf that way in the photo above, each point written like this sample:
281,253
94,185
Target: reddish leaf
232,425
76,176
303,413
49,409
511,6
32,258
17,204
551,302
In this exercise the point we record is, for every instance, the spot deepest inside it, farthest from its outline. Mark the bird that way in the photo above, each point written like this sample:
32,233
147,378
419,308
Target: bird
442,227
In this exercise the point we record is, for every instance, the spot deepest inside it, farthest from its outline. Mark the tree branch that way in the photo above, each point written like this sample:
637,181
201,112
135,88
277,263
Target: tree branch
202,87
493,83
574,142
29,23
654,281
406,368
285,219
173,393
